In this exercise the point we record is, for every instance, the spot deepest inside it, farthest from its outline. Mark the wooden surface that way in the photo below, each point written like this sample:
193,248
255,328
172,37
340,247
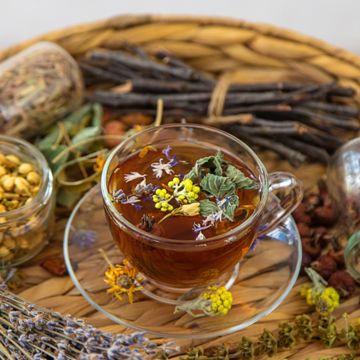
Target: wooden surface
244,51
60,294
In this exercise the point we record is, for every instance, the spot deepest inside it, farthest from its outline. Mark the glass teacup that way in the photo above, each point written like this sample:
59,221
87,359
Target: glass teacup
185,264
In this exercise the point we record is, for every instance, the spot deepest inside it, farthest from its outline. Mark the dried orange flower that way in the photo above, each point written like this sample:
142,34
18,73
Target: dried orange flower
145,150
99,163
122,279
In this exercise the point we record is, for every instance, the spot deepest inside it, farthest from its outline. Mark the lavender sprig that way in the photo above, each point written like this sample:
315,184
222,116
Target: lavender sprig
30,332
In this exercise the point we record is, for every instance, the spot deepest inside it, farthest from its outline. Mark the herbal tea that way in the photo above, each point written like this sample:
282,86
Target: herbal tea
186,194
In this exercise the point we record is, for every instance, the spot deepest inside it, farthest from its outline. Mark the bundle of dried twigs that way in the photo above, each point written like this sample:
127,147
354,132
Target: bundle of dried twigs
299,121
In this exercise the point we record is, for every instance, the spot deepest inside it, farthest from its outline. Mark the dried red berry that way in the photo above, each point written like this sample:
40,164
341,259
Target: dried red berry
325,266
304,230
300,215
136,119
338,256
54,265
310,247
325,215
343,283
305,262
312,200
114,127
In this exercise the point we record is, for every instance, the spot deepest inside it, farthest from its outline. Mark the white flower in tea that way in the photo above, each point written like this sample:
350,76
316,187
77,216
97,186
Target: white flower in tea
133,176
200,237
159,167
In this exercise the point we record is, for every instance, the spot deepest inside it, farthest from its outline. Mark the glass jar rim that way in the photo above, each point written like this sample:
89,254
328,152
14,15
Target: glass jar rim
46,178
114,212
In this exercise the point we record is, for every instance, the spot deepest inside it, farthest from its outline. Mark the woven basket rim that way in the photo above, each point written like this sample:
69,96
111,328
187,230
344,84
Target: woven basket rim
129,20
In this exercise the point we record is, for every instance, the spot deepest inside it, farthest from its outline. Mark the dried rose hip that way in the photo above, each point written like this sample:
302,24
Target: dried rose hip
343,283
304,230
54,265
338,256
305,262
300,215
310,247
325,215
325,266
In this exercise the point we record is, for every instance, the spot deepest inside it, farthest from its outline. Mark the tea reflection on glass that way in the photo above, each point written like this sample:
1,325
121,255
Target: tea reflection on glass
185,202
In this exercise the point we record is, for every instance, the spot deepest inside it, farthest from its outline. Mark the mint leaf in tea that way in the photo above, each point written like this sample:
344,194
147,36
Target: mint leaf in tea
189,192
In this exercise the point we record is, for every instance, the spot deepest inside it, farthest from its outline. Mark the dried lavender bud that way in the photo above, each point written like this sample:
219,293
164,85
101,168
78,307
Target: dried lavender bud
41,334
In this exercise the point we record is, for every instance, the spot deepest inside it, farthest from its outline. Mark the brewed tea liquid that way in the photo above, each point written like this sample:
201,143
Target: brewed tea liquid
178,266
176,227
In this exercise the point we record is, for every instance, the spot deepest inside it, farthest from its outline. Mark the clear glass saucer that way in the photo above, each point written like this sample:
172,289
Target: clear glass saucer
262,281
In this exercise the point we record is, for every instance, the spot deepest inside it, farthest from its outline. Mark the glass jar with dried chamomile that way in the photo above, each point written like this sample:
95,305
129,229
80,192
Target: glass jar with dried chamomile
26,201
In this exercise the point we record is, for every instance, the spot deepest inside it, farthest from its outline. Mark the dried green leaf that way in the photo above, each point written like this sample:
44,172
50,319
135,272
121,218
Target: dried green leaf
68,198
217,186
239,178
51,154
207,207
230,203
213,164
86,133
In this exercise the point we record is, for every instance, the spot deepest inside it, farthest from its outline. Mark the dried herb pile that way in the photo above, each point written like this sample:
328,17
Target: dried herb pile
323,242
298,121
37,87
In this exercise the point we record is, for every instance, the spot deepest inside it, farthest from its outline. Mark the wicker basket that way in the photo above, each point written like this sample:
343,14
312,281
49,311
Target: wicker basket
244,51
247,52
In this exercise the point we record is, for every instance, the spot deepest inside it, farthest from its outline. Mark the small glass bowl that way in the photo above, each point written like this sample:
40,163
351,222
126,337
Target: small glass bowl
26,230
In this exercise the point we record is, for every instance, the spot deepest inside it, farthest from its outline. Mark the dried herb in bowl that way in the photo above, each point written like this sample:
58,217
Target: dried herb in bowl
37,87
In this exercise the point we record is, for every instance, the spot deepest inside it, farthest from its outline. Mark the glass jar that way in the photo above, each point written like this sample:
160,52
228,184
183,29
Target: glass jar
26,230
352,256
38,86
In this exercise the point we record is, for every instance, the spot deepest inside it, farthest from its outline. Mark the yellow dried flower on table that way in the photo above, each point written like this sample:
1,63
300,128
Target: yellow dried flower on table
326,299
122,279
212,302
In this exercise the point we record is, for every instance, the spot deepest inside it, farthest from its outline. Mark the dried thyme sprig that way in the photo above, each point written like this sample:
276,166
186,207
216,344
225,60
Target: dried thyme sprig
322,329
30,332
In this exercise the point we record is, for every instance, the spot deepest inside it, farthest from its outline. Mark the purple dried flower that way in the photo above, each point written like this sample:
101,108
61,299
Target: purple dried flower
61,356
173,161
84,239
166,152
51,325
37,331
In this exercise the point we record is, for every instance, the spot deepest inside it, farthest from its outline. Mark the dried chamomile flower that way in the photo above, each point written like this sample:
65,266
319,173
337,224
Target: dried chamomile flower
19,182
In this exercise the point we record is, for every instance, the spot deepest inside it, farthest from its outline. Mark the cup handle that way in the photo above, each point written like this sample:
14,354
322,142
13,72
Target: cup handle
285,194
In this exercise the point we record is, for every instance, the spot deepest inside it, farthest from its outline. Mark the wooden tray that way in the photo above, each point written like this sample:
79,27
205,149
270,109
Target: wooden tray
248,53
